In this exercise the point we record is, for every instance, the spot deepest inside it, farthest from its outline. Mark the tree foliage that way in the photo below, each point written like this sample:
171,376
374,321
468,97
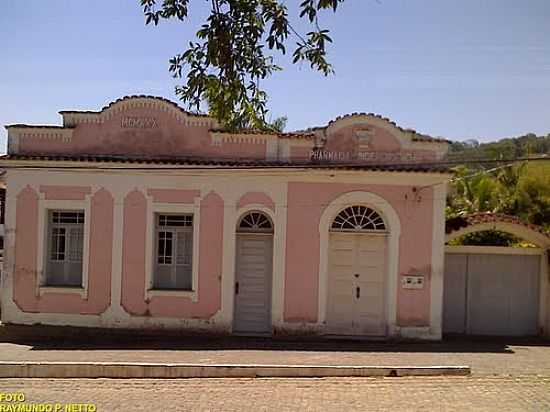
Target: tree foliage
521,190
278,124
509,148
233,49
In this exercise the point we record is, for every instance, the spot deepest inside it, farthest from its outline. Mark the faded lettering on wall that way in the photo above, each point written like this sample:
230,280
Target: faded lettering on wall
335,156
129,122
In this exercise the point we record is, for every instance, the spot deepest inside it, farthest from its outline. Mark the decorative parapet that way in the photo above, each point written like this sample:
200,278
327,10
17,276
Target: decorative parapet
72,118
17,132
381,121
146,112
409,139
218,138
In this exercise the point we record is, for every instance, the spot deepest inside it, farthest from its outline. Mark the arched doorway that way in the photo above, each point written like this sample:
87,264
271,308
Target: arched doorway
357,272
253,274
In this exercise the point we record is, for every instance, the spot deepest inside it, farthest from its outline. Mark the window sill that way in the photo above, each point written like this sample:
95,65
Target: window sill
63,289
192,294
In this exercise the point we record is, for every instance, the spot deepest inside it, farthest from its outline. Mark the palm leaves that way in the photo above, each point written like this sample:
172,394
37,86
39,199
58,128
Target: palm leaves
521,189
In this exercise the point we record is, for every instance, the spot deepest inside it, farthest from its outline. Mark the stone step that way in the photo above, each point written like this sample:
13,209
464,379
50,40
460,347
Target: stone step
178,370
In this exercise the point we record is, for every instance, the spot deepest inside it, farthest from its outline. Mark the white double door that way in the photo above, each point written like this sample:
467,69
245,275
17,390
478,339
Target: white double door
356,289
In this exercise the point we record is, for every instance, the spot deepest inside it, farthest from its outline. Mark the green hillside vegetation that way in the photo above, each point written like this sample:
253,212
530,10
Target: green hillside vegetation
509,148
519,189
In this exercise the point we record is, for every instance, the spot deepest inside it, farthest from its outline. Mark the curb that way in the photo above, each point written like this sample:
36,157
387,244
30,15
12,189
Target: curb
178,370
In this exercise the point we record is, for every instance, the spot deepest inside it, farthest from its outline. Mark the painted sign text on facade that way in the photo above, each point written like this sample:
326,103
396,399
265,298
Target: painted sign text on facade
129,122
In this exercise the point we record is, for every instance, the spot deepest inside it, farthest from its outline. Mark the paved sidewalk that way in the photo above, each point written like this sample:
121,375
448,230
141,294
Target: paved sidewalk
485,358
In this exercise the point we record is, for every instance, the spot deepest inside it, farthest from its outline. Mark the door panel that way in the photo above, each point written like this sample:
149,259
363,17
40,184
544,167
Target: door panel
253,275
340,306
491,294
525,298
356,284
503,294
454,293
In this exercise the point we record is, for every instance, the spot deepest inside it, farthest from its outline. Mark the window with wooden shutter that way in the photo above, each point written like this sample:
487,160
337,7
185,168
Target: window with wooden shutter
65,241
174,252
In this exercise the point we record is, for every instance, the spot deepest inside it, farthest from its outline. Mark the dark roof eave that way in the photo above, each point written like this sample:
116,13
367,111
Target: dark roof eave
171,162
35,126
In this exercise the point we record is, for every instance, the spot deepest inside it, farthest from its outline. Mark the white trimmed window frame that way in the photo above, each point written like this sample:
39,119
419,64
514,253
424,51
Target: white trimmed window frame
44,206
340,220
153,209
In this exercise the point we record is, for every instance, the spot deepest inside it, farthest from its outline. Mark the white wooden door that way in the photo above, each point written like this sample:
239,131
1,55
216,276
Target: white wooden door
356,284
340,288
253,283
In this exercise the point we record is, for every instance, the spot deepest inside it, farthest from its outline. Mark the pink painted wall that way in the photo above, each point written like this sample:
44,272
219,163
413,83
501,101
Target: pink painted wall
65,192
306,203
346,140
300,153
257,198
133,252
210,262
100,255
173,195
170,138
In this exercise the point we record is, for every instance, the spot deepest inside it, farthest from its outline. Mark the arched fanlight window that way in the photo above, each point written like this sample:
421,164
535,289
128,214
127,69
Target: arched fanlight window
256,222
357,219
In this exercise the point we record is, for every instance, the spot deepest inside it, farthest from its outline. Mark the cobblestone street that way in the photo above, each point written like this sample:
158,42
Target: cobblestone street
496,393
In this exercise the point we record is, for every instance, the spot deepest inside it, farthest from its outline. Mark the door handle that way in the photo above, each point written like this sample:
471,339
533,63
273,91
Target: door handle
236,288
357,292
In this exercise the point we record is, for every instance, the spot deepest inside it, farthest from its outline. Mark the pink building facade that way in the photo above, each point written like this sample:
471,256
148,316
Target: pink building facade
142,215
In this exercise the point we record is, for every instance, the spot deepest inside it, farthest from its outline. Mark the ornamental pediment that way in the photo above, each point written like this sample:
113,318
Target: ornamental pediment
373,138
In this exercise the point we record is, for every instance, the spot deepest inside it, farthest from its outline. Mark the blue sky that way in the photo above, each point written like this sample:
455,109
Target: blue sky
459,69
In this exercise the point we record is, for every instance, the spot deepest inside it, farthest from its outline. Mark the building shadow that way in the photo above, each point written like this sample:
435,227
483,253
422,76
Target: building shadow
50,338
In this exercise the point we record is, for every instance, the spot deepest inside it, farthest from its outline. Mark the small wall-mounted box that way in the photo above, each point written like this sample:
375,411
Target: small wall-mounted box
412,282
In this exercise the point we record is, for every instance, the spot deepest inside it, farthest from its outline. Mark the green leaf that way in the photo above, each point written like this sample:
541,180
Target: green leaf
224,67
